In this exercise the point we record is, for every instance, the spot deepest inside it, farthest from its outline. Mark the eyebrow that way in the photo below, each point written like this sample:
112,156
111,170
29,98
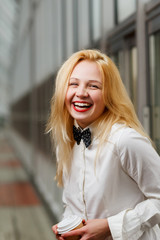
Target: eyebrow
91,80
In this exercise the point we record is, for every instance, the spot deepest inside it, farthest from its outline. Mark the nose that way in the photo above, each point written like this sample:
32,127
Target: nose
82,92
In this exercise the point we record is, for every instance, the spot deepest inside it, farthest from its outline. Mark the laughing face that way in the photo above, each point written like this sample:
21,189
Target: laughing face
84,99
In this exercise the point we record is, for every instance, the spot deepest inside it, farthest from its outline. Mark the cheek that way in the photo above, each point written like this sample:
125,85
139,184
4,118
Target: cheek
98,99
99,104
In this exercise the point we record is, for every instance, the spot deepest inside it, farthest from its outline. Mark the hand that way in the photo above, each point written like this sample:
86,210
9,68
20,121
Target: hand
54,229
95,229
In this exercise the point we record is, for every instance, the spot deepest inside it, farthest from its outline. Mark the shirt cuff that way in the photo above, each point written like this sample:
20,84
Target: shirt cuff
125,225
115,224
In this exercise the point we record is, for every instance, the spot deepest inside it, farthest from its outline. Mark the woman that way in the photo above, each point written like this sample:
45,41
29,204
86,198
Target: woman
105,161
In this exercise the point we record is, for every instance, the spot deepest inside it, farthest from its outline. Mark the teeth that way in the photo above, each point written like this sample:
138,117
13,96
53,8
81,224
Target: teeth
82,104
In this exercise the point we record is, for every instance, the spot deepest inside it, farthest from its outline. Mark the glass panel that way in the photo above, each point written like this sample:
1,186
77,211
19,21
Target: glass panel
126,61
125,8
115,59
118,59
75,25
63,29
95,18
9,12
133,75
154,44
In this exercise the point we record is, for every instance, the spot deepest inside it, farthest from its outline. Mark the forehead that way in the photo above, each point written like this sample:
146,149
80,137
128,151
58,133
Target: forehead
86,70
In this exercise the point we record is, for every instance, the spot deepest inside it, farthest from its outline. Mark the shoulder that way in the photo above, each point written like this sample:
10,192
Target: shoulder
131,139
134,150
122,134
128,139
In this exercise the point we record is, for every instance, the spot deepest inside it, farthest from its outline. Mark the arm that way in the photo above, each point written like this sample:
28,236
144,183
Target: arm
140,161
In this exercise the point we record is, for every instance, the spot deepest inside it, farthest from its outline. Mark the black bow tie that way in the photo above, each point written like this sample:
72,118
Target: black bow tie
84,135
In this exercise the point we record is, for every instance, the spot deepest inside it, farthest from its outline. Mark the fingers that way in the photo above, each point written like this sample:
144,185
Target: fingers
60,238
54,229
77,232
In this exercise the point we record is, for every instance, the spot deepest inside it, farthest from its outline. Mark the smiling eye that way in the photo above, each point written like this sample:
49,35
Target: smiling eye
94,86
73,84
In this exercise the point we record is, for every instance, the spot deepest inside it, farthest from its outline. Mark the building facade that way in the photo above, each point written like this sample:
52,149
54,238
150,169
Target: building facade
49,32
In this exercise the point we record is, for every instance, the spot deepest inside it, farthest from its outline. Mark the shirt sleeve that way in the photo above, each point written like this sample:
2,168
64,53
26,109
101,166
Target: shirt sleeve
141,162
67,211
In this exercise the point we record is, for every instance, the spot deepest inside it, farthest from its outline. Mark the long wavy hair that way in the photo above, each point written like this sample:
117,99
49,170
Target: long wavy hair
119,108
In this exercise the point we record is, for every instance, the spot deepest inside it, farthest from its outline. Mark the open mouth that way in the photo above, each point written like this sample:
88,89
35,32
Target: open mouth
81,107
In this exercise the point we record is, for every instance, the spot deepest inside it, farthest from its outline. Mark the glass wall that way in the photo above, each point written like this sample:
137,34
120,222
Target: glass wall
124,9
133,75
118,59
75,25
154,47
95,19
126,61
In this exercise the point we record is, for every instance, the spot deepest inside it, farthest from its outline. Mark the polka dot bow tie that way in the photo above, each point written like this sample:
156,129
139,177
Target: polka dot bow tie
84,135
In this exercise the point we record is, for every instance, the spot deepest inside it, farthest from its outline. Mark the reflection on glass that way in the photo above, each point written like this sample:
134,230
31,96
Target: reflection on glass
154,44
125,8
95,19
118,59
133,76
126,61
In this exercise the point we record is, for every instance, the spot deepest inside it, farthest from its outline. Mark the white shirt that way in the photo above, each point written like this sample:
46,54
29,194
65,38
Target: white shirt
122,186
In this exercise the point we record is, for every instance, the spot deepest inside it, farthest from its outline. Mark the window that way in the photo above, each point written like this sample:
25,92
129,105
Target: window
124,9
95,19
75,25
133,75
126,61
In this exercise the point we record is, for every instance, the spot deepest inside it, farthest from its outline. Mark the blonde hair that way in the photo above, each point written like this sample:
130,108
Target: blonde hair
119,108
